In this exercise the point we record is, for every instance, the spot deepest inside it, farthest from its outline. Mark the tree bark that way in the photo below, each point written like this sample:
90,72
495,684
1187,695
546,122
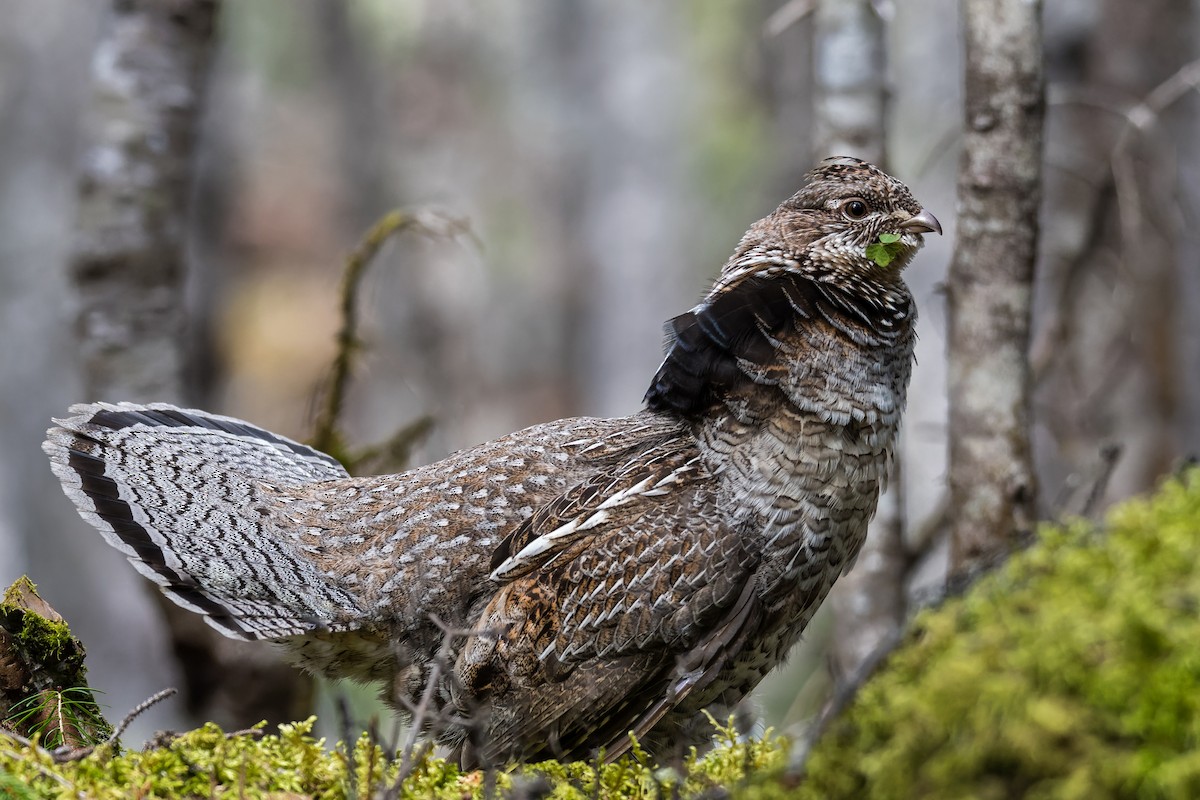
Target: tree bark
992,483
344,56
149,71
634,203
851,65
43,678
851,119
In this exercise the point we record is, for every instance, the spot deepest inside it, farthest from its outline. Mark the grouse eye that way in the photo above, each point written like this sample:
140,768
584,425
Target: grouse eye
854,209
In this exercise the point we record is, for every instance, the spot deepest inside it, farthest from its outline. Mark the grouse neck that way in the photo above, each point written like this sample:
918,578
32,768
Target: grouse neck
752,330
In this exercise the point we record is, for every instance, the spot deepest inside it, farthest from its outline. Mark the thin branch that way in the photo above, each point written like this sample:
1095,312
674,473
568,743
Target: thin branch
1050,341
845,693
343,714
64,754
141,708
1140,118
787,15
422,714
392,454
18,738
1109,456
1120,177
40,767
249,733
1081,492
326,436
1166,94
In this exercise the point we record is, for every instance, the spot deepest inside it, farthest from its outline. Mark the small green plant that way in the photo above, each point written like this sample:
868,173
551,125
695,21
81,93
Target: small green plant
59,717
886,250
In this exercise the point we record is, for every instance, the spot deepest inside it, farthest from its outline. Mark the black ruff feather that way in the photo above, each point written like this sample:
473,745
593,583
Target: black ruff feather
706,343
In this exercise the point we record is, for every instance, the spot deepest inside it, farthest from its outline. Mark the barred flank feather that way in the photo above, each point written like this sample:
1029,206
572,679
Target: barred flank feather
191,499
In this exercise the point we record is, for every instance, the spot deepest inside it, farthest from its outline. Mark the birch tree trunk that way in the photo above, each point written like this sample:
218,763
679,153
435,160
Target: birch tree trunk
851,70
149,71
634,203
992,484
851,119
127,265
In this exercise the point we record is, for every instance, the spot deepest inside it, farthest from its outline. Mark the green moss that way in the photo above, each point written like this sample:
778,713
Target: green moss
47,641
1073,672
207,763
46,693
12,788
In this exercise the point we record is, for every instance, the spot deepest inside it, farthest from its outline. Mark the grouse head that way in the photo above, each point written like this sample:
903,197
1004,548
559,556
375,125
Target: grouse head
831,254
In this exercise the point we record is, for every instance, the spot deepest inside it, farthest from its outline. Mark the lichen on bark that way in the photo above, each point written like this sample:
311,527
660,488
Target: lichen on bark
993,490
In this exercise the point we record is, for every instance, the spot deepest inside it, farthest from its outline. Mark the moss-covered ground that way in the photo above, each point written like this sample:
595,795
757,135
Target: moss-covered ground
293,764
1071,672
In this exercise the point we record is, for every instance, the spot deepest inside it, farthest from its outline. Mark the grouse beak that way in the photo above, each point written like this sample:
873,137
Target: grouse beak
922,222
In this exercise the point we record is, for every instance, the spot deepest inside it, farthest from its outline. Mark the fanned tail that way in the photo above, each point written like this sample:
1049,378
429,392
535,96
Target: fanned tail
195,501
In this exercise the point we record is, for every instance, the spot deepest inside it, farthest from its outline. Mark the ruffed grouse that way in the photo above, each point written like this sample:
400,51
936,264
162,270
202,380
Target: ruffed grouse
617,575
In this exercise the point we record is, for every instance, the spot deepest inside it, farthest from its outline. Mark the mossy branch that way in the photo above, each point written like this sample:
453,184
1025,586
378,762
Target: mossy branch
43,680
327,435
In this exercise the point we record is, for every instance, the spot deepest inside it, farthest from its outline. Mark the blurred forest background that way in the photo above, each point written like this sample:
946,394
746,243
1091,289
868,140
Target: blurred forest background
607,154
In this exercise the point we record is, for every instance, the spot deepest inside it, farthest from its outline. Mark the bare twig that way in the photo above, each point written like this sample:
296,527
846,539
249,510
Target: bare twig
62,755
40,767
1118,182
350,743
16,737
1109,456
140,709
787,15
1097,484
1050,341
423,715
845,693
249,733
421,712
392,454
1140,118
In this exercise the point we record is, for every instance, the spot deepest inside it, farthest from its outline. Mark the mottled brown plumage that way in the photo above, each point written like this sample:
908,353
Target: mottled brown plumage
617,574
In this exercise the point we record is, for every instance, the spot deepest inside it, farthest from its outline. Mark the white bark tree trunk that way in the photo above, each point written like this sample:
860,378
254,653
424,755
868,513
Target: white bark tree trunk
149,71
851,119
992,484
